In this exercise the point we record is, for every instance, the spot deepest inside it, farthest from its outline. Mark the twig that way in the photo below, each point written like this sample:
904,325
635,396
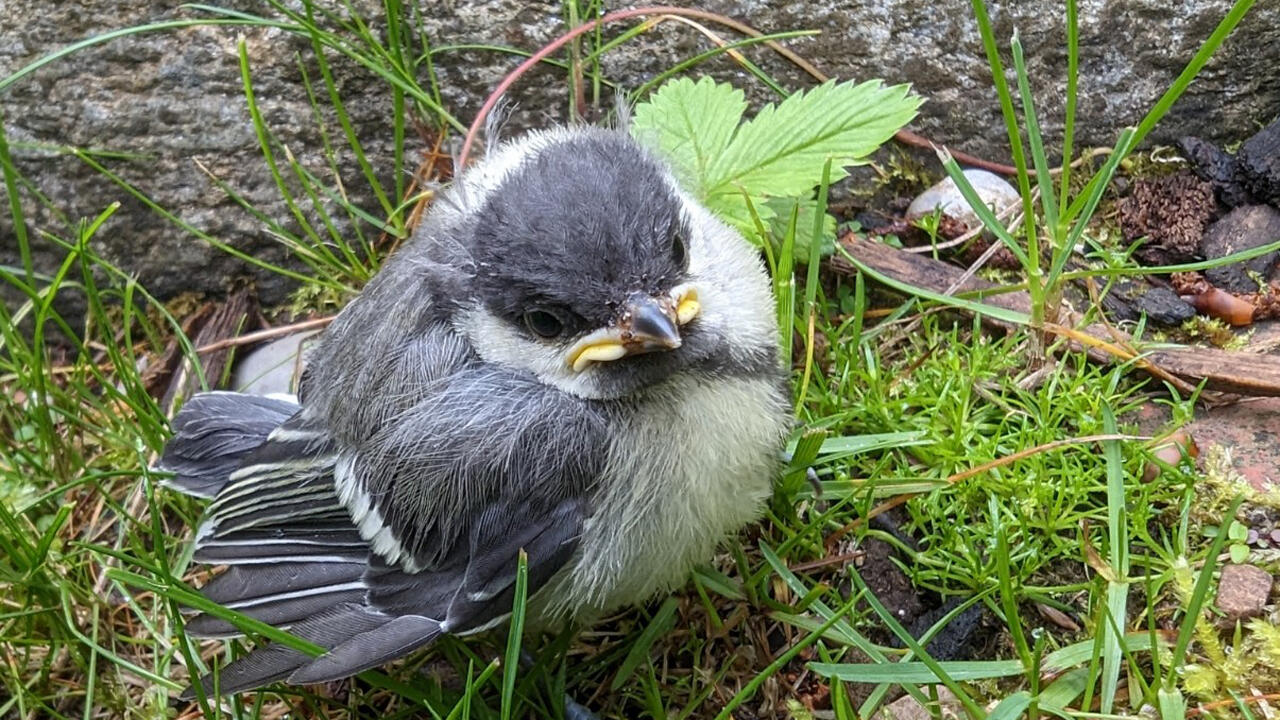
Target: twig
1209,707
1124,353
269,333
1239,373
830,560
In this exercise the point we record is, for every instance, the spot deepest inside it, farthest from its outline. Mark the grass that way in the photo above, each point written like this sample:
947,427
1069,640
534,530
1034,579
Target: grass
1016,491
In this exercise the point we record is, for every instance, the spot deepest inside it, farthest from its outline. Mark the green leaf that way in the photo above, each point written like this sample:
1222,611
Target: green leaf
690,124
766,168
1171,703
659,625
734,209
1238,553
1064,691
515,633
781,151
782,209
919,673
1012,707
1237,531
719,583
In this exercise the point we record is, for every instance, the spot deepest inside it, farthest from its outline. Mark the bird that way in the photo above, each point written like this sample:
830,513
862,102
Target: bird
570,359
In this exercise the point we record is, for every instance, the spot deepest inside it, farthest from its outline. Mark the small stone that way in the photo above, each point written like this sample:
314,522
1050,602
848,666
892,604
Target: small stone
1216,167
1241,229
1164,307
992,189
274,368
1129,300
908,708
1243,591
1258,164
1275,535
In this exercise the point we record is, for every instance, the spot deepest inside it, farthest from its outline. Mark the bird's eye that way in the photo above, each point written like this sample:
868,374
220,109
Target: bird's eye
678,250
543,323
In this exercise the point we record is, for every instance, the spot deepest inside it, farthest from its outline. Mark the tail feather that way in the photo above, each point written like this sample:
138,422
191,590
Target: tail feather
213,432
369,649
277,612
247,582
276,661
279,594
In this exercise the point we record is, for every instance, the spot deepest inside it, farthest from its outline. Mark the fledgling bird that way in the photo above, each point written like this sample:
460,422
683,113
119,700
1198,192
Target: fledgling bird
571,357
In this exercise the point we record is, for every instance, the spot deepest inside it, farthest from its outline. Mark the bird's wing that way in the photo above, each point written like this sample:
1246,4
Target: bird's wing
482,435
373,548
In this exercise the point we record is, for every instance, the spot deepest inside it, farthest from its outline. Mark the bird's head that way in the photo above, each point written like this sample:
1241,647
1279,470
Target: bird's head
596,273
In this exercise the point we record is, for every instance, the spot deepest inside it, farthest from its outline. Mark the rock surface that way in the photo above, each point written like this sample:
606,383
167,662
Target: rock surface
173,98
1246,227
1243,591
174,101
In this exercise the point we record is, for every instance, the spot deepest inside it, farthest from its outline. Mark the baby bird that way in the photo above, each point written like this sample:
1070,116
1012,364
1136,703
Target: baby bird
571,357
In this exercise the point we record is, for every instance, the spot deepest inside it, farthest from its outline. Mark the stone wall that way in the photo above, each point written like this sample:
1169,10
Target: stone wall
172,99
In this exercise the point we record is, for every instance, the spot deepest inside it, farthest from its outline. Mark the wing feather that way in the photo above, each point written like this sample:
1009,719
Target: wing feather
373,541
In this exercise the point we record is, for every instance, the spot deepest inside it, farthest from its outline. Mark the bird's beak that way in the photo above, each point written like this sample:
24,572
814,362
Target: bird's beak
647,324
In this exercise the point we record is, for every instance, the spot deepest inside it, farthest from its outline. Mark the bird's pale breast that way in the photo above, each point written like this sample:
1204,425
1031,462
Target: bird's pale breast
690,463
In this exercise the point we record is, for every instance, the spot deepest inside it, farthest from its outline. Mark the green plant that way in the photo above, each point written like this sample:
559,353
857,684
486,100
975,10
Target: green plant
1065,214
766,169
1051,237
1014,481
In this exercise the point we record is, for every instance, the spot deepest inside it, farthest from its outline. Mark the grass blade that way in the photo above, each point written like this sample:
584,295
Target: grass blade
515,634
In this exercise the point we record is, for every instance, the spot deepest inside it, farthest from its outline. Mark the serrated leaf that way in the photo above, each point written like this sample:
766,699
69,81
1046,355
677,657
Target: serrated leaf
691,124
734,209
782,150
782,208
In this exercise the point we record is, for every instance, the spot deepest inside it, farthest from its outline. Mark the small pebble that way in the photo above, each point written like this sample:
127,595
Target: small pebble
994,191
1243,591
908,708
273,368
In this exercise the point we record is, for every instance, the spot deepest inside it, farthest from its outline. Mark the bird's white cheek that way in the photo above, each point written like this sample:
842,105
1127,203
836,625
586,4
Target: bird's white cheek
498,342
733,288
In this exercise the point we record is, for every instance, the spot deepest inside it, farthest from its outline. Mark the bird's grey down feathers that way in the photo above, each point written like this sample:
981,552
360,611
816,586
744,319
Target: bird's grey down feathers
442,428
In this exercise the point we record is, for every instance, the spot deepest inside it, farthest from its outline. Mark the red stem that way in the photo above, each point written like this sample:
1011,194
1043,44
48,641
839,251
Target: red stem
555,45
903,136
